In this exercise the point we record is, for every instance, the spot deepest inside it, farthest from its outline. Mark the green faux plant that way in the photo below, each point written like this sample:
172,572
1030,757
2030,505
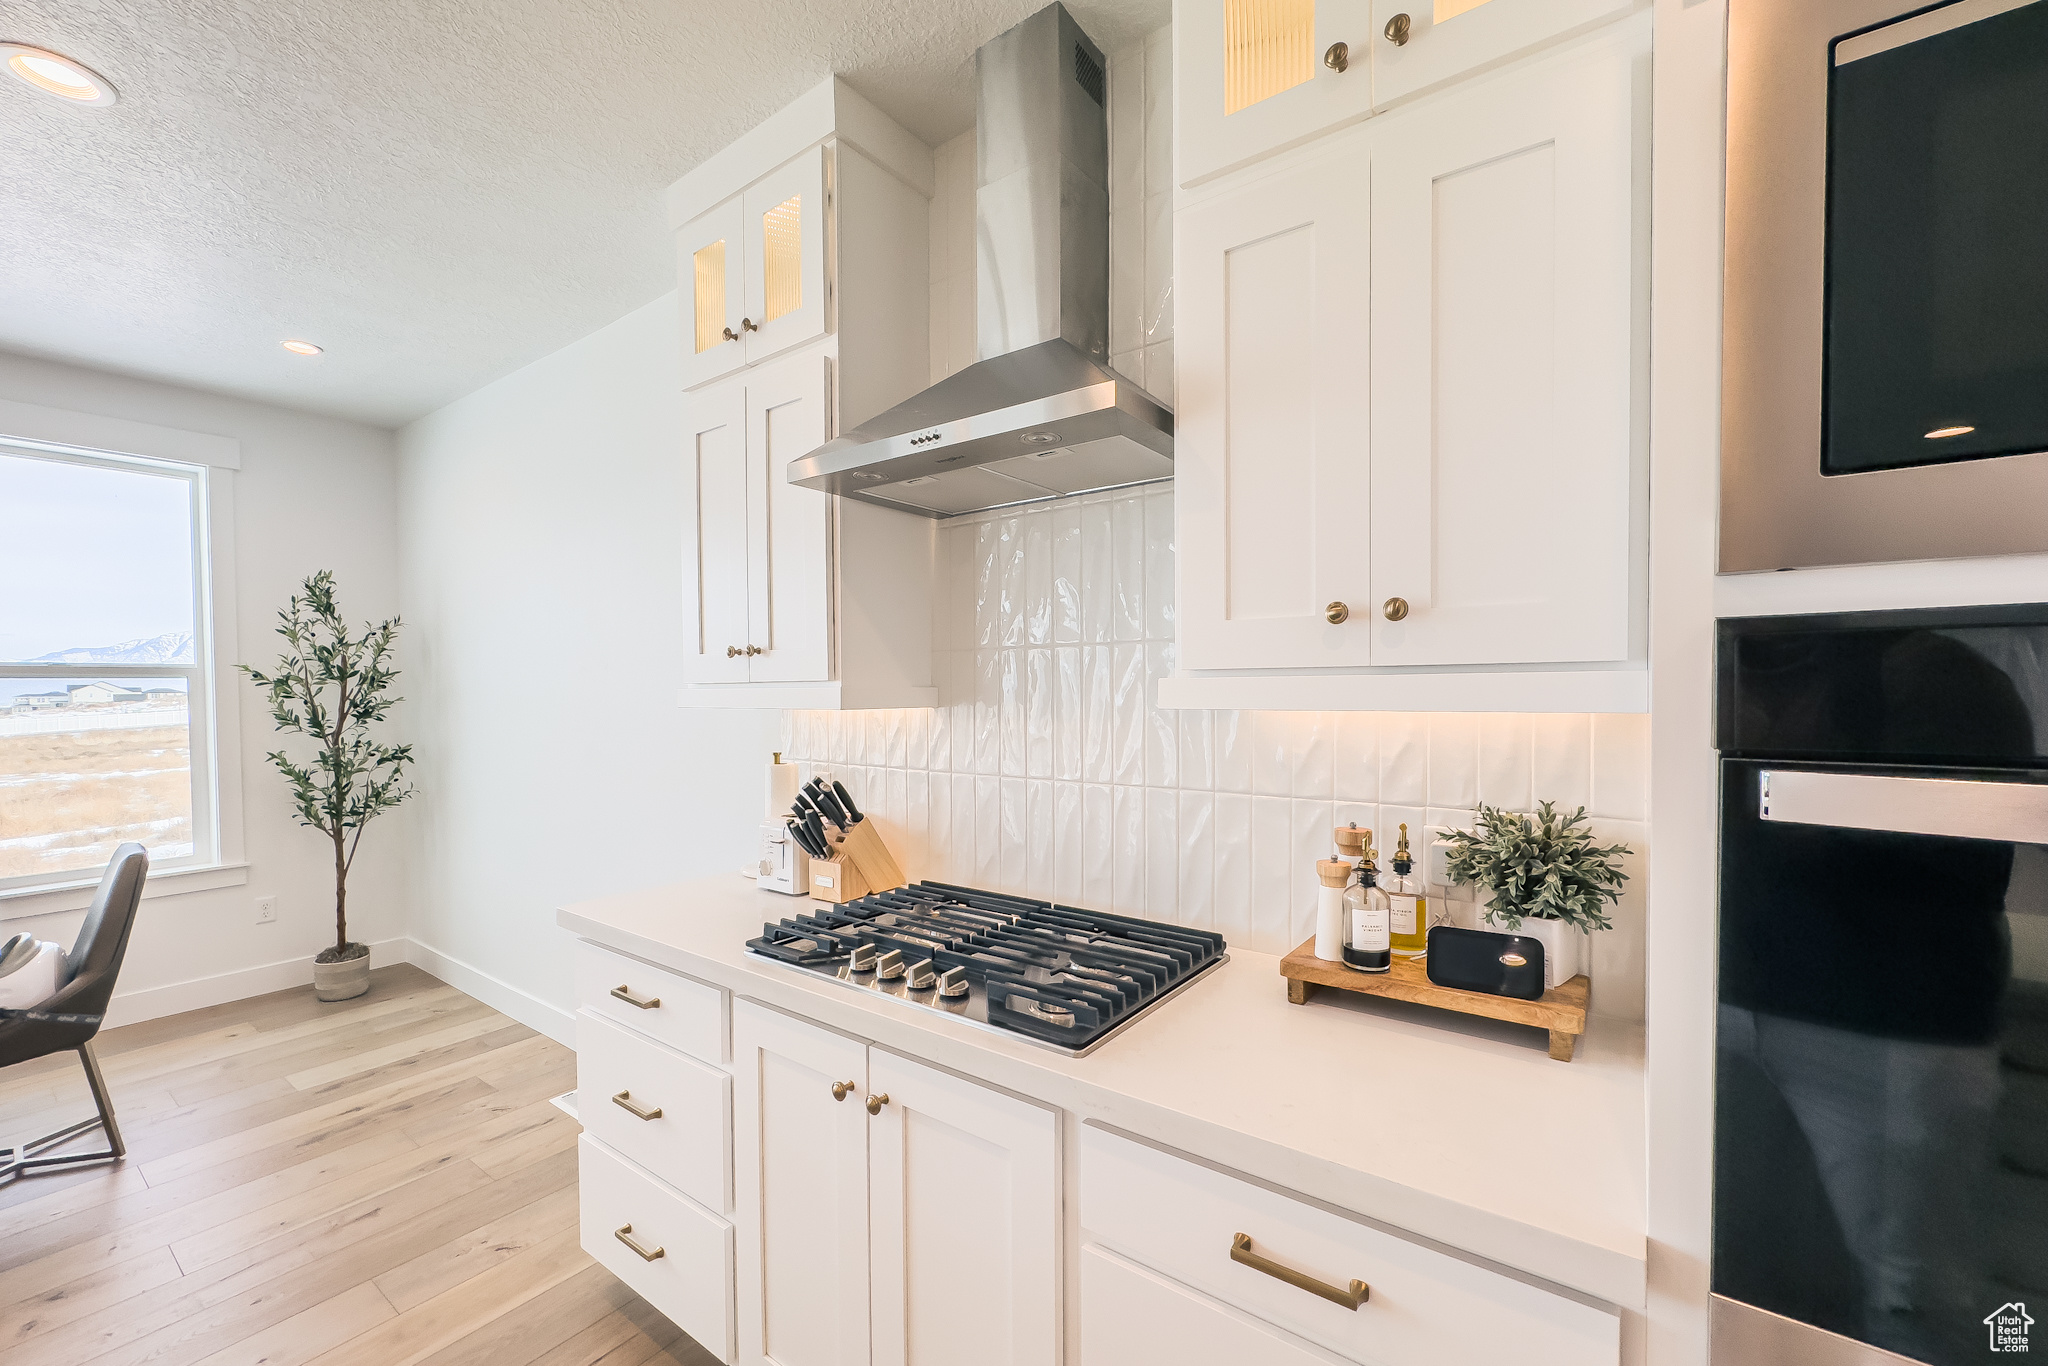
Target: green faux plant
332,687
1542,867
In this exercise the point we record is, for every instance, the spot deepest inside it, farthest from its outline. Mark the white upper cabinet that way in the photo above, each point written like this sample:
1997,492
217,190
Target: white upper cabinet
1272,472
751,271
804,268
1253,76
1410,456
1420,44
1503,462
756,548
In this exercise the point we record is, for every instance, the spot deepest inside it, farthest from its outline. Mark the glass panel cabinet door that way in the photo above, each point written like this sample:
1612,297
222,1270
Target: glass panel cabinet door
1255,76
1419,44
713,254
786,215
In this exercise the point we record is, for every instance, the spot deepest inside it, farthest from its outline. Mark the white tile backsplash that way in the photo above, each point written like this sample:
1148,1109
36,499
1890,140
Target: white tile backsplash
1049,770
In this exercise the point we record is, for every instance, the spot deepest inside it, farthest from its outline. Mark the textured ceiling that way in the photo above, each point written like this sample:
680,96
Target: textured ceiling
437,191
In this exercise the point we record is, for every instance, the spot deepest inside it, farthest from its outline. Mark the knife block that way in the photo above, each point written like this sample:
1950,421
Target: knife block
836,880
864,848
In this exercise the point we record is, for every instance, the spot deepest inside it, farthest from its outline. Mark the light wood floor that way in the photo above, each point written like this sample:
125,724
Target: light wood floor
376,1183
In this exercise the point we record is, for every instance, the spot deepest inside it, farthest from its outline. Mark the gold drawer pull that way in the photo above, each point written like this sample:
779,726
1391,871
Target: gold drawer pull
625,993
842,1089
624,1234
624,1100
1241,1251
875,1103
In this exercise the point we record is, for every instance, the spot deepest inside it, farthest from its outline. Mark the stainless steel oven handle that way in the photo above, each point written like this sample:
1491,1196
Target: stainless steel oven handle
1964,808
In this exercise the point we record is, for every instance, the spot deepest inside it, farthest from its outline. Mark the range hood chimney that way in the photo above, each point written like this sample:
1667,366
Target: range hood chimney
1041,414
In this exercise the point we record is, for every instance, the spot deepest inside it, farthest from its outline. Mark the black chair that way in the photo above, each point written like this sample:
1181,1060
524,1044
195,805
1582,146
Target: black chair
71,1017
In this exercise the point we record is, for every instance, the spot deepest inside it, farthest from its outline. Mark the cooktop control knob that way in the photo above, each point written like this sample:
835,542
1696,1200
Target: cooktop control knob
863,958
890,965
953,982
922,978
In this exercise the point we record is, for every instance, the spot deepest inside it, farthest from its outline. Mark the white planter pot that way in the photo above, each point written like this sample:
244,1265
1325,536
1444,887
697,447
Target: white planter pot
343,981
1565,950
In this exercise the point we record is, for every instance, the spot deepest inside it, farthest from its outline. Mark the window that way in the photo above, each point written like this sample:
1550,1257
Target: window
106,687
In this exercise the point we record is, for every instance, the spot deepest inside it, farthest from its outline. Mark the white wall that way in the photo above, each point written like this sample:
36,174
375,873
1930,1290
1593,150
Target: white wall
541,537
313,493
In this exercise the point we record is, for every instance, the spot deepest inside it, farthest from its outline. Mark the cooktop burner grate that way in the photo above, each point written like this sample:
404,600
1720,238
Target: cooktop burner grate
1058,975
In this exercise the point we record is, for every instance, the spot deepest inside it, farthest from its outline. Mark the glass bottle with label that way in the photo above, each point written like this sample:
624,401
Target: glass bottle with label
1408,908
1366,944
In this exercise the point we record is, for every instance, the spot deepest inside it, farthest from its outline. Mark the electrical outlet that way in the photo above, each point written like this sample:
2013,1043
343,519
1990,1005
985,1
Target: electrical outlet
266,910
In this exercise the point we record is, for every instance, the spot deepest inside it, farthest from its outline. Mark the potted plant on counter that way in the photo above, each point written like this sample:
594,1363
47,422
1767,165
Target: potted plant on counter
333,688
1546,877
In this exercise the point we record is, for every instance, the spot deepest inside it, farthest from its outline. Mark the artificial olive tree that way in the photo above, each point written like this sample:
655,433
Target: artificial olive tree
333,688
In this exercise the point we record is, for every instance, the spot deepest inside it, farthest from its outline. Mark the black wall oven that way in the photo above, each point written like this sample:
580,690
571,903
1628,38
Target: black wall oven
1881,1093
1885,346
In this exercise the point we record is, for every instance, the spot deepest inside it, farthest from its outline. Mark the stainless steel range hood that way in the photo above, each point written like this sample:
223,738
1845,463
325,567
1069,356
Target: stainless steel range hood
1041,414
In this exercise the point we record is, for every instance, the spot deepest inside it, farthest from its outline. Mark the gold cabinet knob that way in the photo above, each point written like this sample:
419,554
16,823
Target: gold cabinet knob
1397,30
1337,613
1396,608
731,335
875,1103
842,1089
732,652
749,325
753,650
1337,57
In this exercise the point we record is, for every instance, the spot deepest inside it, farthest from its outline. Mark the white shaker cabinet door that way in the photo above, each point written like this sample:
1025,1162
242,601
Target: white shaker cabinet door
800,1191
1254,76
1505,466
711,252
715,515
965,1196
789,529
1418,44
1272,478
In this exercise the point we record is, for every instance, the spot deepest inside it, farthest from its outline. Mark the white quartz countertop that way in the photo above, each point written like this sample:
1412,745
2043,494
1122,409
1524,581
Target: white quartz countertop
1460,1131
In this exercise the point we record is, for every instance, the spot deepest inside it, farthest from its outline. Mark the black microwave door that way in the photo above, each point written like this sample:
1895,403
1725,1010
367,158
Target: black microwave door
1881,1116
1936,340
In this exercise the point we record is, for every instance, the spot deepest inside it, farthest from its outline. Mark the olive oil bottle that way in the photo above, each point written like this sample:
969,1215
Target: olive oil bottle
1407,907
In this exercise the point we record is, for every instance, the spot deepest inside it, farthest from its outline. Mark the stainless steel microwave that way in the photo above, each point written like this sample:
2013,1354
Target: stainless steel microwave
1885,325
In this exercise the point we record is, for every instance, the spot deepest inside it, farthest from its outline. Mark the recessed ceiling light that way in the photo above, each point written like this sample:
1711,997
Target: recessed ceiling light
57,76
1941,432
300,348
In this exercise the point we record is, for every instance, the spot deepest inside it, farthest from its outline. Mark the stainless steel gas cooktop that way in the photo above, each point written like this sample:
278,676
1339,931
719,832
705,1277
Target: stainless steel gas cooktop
1059,976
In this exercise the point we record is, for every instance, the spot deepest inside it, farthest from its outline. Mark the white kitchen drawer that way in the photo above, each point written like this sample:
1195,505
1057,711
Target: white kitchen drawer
690,1276
1130,1317
1425,1308
680,1011
688,1143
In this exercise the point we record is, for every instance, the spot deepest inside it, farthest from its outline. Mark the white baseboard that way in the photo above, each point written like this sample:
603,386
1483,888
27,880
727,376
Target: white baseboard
150,1003
175,998
499,995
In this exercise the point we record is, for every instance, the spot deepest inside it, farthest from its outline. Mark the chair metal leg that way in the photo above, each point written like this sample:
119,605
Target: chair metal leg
102,1100
24,1157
